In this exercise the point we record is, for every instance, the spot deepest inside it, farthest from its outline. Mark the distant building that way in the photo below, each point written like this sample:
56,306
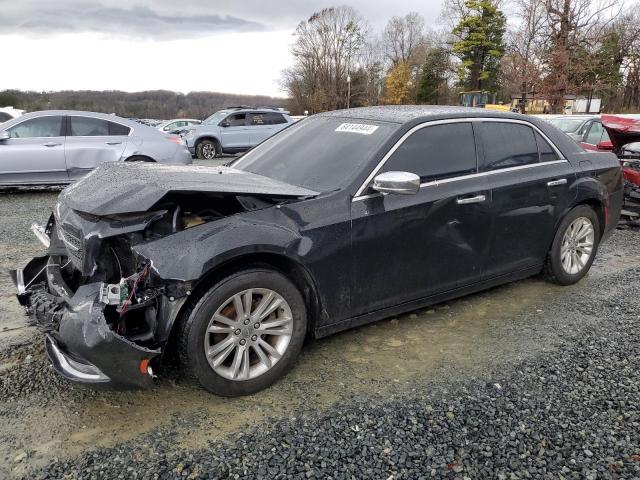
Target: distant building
572,104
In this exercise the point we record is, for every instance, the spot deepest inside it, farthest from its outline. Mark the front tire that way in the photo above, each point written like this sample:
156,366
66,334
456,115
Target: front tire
244,333
574,246
208,150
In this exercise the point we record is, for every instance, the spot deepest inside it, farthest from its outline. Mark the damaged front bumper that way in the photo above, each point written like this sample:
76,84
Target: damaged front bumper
81,345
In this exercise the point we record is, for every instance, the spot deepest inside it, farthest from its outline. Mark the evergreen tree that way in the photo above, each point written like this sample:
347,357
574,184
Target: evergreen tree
480,44
433,77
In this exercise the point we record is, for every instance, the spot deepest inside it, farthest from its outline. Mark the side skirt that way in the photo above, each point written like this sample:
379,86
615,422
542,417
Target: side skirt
425,302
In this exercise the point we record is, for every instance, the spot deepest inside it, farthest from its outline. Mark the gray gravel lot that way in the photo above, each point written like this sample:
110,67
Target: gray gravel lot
529,380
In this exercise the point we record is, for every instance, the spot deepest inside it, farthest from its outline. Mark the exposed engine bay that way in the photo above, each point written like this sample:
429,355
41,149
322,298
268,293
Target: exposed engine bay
98,285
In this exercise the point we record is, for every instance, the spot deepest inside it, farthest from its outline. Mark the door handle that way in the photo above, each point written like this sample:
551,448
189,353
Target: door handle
555,183
51,144
113,143
468,200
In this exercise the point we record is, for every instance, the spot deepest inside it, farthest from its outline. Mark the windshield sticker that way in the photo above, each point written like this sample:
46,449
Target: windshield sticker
357,128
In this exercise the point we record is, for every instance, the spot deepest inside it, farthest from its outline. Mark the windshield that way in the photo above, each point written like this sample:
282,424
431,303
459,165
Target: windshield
567,125
216,117
319,153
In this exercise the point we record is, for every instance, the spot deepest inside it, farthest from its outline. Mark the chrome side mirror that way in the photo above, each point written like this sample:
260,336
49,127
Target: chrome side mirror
4,136
402,183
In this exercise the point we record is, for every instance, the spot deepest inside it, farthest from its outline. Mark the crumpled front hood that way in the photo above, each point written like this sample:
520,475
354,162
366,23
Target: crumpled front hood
621,130
115,187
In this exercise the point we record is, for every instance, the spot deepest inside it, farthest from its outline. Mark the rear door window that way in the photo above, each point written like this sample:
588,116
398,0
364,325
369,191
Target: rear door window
436,152
40,127
547,153
88,127
118,129
258,119
507,145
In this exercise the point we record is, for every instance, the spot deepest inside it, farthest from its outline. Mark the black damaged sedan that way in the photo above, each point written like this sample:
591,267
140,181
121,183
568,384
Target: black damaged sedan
339,220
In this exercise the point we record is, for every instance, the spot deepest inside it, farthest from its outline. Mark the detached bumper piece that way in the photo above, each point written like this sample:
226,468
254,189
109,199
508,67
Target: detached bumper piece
80,343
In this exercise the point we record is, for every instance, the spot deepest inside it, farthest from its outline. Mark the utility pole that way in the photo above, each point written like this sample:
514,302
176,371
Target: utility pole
348,90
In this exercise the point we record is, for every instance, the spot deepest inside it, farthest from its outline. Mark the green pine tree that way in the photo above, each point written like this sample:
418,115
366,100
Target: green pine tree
480,45
433,77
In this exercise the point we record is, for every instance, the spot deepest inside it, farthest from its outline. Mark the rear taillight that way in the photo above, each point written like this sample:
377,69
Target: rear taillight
177,139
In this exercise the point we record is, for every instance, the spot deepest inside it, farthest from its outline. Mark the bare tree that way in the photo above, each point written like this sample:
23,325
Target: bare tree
403,37
325,49
571,24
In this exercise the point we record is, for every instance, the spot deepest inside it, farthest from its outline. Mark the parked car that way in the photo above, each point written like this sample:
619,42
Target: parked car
342,219
177,125
593,136
8,113
234,130
572,125
60,146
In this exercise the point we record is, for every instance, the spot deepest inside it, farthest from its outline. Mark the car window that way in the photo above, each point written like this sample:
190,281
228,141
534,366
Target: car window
118,129
274,118
567,125
88,127
595,133
435,152
258,119
237,120
507,145
320,153
547,153
49,126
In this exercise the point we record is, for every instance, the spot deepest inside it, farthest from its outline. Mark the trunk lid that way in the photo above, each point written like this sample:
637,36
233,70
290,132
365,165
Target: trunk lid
621,130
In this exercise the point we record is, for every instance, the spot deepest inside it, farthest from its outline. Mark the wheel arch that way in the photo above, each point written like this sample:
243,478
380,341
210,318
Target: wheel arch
295,271
144,158
210,137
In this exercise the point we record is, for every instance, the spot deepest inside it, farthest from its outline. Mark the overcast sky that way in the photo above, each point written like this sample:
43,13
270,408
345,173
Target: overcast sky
235,46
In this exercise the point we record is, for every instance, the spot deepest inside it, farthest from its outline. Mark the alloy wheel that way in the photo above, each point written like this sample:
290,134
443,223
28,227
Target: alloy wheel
208,151
248,334
577,245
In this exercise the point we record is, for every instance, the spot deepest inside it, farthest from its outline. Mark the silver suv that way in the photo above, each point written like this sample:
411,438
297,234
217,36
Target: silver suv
234,130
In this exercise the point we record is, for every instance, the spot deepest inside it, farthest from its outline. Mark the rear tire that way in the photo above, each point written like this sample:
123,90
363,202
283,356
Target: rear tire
219,344
574,246
208,150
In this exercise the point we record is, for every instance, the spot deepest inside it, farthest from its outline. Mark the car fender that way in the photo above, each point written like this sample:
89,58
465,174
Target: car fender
189,254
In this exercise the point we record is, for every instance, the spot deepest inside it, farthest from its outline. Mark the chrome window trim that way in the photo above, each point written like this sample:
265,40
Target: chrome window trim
131,129
358,196
470,176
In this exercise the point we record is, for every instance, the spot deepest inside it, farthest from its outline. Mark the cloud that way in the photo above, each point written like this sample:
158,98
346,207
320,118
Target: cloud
27,17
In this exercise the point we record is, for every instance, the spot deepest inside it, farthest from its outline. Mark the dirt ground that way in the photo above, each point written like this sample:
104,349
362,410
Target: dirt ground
43,418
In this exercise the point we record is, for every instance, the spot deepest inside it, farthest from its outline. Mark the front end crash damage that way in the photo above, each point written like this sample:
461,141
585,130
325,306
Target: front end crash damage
105,310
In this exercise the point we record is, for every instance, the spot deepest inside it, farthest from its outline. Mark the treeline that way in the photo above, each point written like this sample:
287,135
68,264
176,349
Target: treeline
159,104
548,48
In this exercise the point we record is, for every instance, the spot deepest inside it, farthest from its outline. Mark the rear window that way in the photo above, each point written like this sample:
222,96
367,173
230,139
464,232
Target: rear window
507,145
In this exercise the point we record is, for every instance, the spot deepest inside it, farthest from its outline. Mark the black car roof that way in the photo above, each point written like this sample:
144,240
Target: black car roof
409,113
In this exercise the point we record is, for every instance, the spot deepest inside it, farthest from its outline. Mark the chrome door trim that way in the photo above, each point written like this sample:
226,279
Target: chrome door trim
470,200
470,176
358,196
553,183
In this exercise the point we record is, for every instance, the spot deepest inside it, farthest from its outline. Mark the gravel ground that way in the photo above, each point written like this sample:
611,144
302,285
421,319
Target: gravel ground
527,380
